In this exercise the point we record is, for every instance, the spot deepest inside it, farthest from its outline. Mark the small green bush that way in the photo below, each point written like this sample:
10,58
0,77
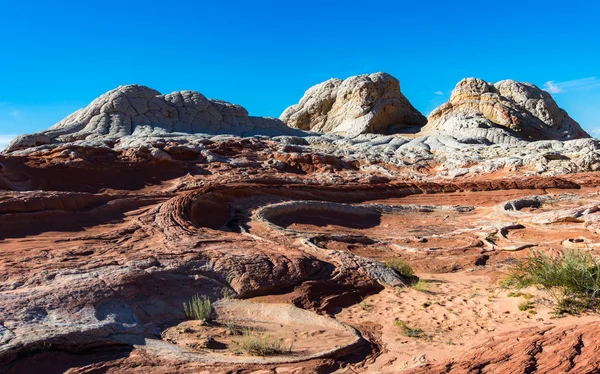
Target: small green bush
525,305
258,343
198,308
400,266
572,279
408,331
422,286
366,306
526,296
571,306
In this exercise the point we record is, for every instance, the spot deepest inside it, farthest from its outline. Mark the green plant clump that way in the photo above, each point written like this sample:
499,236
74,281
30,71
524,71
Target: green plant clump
258,343
198,308
400,266
422,286
573,279
408,331
366,306
525,305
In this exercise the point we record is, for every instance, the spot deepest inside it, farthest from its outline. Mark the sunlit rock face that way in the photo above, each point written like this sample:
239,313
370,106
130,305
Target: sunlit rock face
502,112
360,104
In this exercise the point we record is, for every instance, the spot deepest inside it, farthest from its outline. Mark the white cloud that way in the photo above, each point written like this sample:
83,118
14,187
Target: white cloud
552,87
5,139
16,114
439,92
576,84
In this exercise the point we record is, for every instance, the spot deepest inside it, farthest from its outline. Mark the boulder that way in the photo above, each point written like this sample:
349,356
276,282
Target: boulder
370,103
502,112
141,111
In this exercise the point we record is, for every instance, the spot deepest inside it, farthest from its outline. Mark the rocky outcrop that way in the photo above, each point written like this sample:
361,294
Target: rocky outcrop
360,104
502,112
141,112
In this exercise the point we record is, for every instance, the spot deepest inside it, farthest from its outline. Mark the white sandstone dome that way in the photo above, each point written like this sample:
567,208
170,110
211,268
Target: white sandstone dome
360,104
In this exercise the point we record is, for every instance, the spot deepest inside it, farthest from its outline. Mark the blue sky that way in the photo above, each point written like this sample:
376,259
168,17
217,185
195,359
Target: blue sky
58,56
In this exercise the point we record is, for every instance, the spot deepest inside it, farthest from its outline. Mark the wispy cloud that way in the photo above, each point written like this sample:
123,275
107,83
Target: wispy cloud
5,139
552,87
576,84
16,114
439,93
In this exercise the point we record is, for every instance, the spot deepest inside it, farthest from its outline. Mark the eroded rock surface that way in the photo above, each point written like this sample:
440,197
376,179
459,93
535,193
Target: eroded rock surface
141,111
360,104
502,112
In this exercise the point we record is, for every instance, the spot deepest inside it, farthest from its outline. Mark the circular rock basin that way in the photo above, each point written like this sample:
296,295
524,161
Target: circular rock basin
321,216
243,329
374,220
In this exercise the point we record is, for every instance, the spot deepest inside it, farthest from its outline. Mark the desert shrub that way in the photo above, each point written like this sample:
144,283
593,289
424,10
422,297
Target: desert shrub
232,329
526,296
421,286
260,343
198,308
408,331
491,237
572,279
526,305
400,266
366,306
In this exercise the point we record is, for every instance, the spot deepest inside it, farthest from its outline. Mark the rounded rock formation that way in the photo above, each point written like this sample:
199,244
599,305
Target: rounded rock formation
502,112
141,111
370,103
